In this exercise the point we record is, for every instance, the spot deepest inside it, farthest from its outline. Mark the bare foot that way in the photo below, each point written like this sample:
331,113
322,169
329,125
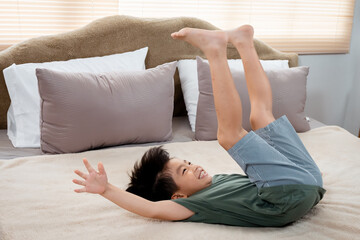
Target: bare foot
241,36
210,42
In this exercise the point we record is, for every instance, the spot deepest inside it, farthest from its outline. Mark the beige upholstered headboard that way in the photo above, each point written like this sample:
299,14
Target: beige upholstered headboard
117,34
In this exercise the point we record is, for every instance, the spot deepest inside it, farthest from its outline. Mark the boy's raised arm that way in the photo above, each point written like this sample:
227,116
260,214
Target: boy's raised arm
97,183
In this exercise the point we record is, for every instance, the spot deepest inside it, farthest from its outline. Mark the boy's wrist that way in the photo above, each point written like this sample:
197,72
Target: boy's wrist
107,187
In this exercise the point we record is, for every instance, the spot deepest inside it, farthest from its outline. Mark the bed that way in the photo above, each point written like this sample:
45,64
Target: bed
37,199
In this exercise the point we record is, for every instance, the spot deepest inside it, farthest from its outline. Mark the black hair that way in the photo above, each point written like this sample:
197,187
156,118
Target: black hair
150,179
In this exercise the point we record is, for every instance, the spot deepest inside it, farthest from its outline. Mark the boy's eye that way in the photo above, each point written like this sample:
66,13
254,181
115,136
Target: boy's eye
185,168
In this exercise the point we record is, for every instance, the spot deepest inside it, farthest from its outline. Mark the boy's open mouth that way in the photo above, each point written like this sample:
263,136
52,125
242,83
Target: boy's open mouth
202,174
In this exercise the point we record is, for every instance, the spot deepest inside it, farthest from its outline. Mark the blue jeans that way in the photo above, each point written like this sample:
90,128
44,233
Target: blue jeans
274,155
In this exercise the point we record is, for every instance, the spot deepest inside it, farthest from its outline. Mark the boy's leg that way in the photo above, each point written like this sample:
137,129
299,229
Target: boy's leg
227,101
264,165
279,134
256,80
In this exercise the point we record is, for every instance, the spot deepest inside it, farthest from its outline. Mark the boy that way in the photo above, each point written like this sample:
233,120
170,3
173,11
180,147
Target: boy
282,184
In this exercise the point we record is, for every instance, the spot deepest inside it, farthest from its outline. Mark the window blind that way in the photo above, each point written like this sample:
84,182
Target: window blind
302,26
23,19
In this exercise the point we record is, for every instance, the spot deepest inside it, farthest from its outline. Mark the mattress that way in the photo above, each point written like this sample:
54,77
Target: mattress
37,200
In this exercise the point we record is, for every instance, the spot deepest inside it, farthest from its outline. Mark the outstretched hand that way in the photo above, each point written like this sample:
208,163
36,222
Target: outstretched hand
94,182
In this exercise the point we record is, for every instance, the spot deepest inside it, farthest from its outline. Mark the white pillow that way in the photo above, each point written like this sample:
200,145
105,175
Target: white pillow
24,111
189,80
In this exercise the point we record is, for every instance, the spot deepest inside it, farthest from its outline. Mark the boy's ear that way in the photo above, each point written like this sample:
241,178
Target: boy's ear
178,195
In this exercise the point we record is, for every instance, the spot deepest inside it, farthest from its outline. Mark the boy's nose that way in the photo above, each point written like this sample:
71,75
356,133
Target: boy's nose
194,168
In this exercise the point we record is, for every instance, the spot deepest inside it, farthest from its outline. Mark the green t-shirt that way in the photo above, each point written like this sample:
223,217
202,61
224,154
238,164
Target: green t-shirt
234,200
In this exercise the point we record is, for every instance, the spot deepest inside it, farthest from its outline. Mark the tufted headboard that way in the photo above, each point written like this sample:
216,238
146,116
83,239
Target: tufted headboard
117,34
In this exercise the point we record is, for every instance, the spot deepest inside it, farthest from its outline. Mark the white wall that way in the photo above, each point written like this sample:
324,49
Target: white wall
333,88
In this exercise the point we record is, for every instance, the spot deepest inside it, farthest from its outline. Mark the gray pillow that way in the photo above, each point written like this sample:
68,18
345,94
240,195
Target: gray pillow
288,90
82,111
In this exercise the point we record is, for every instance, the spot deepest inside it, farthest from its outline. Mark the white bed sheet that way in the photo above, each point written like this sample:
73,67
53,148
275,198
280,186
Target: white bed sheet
37,199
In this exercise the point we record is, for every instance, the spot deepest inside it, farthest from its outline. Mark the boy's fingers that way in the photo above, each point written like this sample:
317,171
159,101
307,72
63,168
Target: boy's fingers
101,168
81,174
79,182
88,166
81,190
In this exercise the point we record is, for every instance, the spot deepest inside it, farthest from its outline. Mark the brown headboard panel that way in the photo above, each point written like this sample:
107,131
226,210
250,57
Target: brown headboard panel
117,34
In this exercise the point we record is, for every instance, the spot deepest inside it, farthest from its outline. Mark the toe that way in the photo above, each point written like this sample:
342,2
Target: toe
182,33
176,35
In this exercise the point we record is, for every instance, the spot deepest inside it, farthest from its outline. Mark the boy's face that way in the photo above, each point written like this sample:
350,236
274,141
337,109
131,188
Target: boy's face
188,177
